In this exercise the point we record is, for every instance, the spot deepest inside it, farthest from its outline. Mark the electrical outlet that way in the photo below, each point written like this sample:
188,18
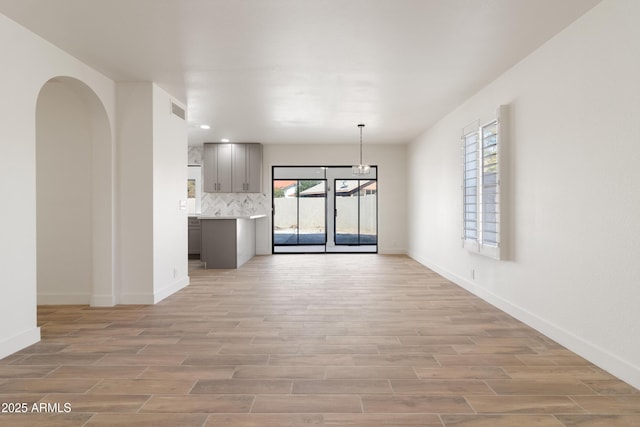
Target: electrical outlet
473,274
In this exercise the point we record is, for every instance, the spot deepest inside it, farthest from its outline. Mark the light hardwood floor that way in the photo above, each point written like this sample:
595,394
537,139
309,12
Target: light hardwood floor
308,340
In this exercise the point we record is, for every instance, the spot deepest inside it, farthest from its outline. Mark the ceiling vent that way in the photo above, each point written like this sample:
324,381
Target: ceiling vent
178,110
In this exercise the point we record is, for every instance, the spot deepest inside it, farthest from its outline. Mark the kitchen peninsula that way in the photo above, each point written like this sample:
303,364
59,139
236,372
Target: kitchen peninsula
228,241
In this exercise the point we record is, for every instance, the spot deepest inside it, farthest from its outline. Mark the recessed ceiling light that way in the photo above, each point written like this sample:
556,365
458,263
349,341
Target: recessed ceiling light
205,127
224,140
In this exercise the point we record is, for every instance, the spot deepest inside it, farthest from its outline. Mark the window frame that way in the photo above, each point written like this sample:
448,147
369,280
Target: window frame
482,176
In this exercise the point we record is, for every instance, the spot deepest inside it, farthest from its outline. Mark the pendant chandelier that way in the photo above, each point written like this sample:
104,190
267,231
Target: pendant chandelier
360,169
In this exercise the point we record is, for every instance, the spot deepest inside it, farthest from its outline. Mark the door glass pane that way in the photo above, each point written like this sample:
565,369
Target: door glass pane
311,212
368,212
299,212
346,192
356,212
285,218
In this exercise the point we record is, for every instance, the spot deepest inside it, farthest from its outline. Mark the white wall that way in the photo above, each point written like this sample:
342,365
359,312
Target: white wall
64,197
392,184
28,63
170,263
135,195
572,192
152,179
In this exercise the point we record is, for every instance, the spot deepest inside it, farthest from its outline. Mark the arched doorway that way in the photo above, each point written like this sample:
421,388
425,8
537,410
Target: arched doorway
74,196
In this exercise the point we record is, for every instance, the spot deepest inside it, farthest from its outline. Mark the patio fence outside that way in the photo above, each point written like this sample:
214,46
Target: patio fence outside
312,214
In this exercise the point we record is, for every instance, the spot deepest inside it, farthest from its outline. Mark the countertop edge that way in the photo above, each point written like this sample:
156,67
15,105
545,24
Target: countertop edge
230,216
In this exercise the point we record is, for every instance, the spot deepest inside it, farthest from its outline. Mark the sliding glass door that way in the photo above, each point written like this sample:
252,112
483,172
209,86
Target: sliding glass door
324,209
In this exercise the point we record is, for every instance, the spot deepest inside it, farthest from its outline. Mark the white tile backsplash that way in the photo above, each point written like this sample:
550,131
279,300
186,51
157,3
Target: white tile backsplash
234,204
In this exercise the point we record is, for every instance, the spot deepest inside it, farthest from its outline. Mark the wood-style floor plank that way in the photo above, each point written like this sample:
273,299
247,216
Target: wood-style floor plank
307,340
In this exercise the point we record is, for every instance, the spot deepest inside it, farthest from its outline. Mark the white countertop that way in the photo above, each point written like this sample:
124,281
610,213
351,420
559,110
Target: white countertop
199,216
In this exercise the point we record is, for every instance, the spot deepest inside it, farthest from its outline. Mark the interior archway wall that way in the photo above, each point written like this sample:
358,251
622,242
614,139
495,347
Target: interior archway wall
74,196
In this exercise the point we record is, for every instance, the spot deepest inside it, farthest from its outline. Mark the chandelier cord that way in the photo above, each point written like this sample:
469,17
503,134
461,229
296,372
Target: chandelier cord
361,126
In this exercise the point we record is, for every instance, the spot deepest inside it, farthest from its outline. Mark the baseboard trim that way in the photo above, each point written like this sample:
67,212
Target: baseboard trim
18,342
63,299
136,299
76,299
171,289
102,301
598,356
153,298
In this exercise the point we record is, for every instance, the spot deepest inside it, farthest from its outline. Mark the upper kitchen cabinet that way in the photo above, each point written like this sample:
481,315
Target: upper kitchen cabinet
247,168
232,168
217,161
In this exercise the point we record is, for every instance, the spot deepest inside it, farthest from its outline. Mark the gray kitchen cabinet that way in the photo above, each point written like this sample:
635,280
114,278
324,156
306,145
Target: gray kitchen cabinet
217,167
247,168
228,242
194,236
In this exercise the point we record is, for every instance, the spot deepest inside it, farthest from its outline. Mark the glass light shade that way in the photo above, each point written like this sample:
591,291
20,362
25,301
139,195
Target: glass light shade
360,169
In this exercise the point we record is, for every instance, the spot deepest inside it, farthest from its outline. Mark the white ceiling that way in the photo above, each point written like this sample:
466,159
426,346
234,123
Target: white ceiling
303,71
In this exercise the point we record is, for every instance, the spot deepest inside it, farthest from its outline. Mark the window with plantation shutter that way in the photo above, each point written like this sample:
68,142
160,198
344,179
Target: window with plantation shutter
481,185
470,186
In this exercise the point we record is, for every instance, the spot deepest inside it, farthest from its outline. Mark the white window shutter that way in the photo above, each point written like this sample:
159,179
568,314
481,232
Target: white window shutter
482,159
